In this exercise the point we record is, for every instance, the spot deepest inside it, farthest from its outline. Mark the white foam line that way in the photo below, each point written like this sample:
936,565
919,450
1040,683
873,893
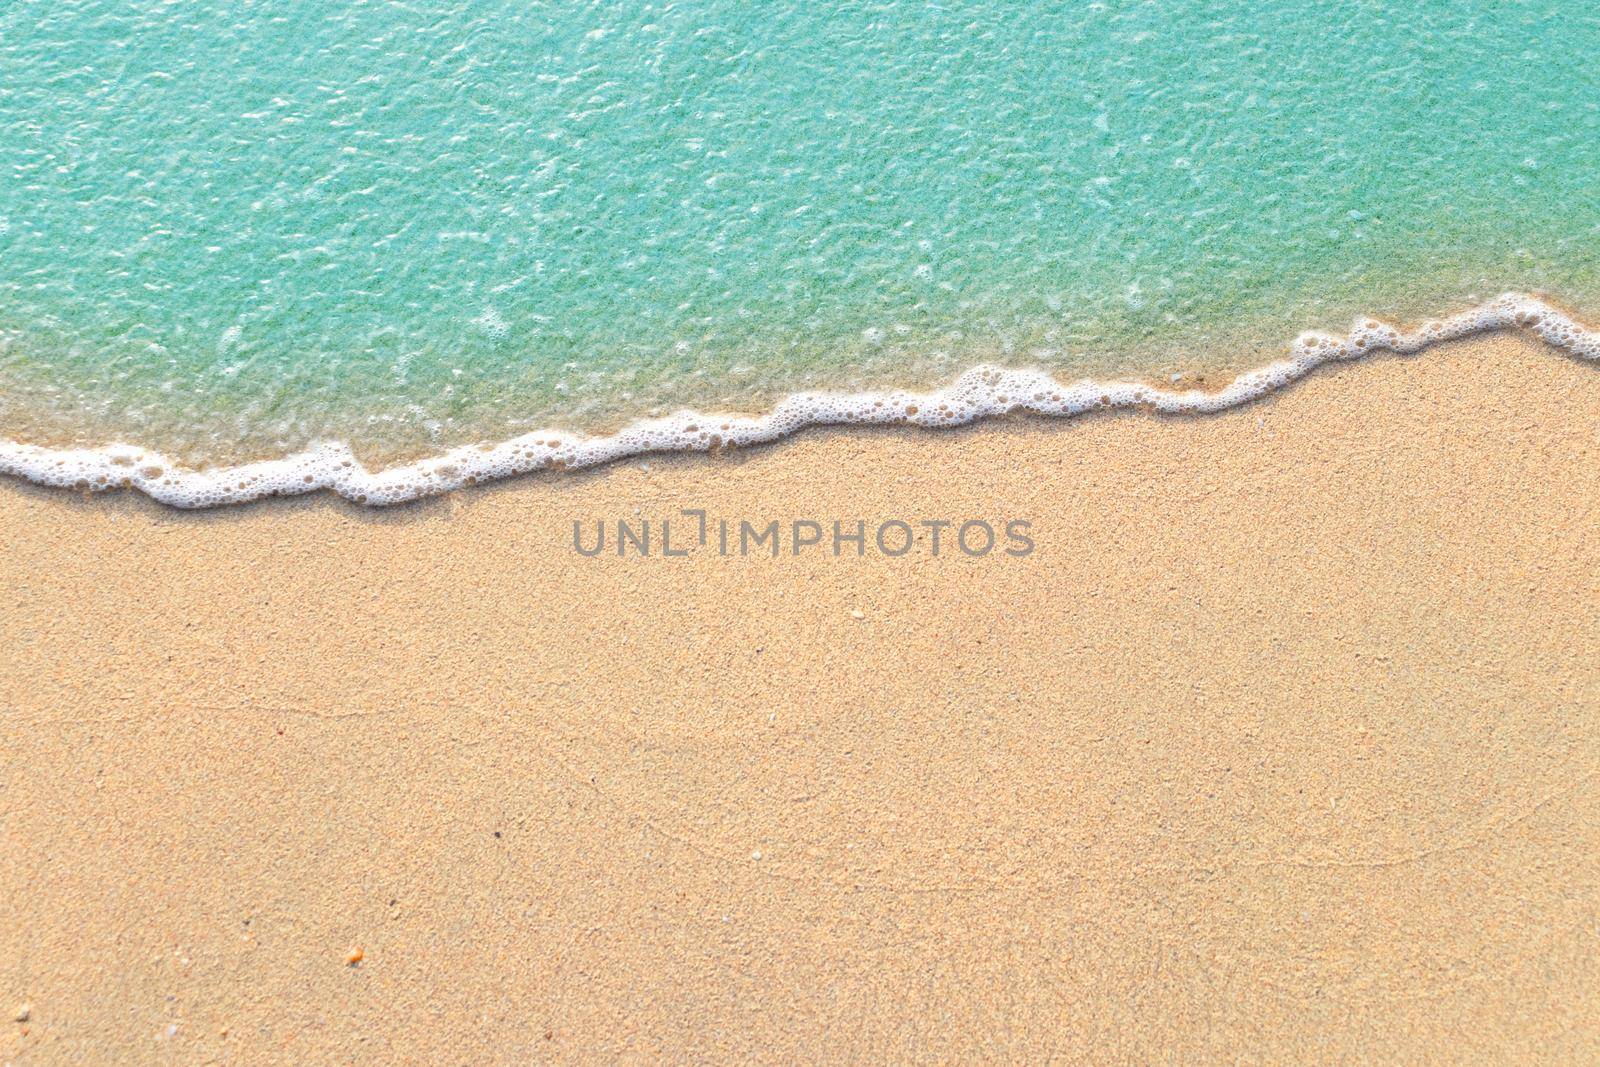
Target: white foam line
979,393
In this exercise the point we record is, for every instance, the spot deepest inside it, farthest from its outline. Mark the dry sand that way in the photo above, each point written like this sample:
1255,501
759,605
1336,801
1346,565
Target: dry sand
1281,746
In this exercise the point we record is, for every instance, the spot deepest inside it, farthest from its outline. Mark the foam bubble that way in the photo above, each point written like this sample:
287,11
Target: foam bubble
981,392
491,323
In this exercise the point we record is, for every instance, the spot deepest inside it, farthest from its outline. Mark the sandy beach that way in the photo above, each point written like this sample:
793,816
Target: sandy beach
1280,744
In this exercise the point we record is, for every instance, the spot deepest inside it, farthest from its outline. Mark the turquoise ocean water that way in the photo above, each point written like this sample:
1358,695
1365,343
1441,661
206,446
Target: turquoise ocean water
230,229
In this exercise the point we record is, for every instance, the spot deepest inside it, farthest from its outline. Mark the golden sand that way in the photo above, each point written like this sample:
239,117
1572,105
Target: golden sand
1282,745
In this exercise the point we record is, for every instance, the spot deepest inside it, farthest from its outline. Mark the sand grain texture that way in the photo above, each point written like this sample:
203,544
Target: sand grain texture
1282,746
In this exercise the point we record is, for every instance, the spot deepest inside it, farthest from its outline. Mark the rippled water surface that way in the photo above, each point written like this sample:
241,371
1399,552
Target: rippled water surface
229,229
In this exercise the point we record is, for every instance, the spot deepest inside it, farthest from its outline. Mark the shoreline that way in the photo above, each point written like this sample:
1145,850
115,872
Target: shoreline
981,393
1281,745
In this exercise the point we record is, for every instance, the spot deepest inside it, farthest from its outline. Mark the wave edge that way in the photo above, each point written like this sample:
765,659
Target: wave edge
982,392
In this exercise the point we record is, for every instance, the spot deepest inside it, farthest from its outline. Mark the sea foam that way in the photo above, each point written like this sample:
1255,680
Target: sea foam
981,392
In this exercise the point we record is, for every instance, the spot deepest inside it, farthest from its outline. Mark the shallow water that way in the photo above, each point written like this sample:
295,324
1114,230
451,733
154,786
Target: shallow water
230,230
